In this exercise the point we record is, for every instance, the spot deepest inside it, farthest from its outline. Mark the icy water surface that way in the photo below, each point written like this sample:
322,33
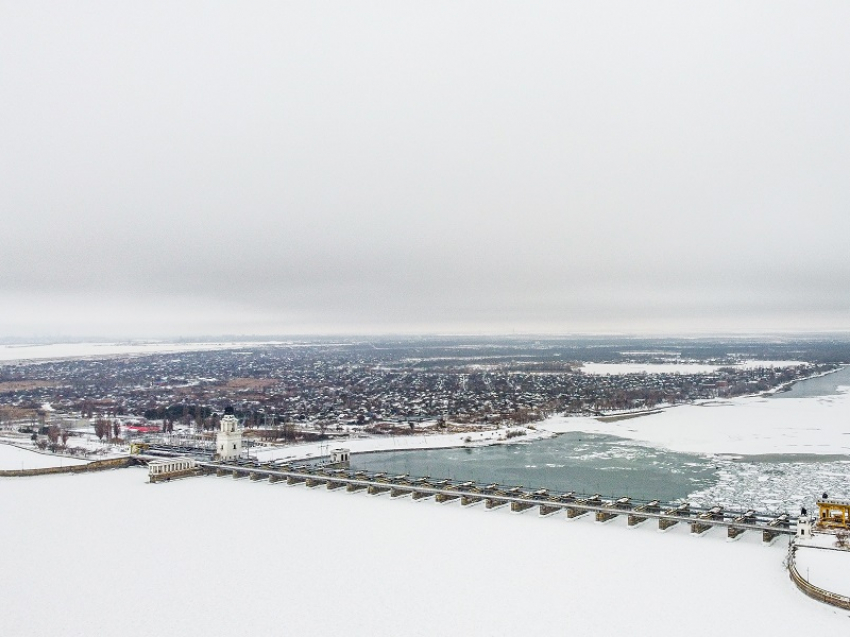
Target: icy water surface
776,483
581,462
611,466
827,385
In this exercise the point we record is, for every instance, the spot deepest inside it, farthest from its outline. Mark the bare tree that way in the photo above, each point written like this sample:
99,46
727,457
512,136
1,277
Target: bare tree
53,434
64,435
101,428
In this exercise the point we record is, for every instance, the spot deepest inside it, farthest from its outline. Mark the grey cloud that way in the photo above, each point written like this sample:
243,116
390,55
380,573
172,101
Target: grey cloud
442,166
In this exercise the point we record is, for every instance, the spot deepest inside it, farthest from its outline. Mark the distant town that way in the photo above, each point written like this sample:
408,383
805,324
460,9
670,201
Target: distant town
308,391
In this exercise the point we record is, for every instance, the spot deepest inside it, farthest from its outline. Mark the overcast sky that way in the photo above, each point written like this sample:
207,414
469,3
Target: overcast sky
180,168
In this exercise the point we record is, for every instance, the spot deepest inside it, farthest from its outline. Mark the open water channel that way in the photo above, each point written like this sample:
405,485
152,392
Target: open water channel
586,463
611,466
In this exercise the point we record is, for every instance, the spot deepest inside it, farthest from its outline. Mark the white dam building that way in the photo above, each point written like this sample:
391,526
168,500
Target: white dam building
228,440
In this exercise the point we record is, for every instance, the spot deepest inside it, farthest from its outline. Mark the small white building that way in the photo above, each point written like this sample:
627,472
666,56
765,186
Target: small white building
340,456
804,527
170,468
228,441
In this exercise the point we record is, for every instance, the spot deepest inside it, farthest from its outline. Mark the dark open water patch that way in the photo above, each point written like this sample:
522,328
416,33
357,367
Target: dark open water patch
581,462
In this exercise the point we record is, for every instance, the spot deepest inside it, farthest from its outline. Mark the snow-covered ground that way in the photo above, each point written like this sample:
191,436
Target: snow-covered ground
615,369
819,563
396,443
16,458
82,443
109,554
756,364
89,350
740,426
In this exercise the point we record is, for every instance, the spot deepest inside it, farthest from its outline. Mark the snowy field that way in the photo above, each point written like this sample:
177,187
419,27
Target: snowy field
824,567
395,443
16,458
108,554
616,369
9,353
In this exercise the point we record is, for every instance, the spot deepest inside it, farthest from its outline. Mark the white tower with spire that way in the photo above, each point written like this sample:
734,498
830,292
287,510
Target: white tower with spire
804,526
228,440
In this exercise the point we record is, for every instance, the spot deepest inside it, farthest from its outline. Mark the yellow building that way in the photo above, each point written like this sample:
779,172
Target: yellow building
833,513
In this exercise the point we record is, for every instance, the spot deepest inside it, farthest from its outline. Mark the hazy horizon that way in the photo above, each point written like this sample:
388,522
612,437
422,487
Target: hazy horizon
377,167
611,338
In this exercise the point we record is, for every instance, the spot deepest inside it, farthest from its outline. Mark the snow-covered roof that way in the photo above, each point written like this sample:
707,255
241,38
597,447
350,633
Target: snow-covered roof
833,502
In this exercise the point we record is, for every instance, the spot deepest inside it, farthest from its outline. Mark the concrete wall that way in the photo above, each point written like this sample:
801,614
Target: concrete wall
97,465
813,591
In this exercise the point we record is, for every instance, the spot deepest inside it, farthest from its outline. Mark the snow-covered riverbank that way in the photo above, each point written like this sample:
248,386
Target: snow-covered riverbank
743,426
16,458
401,443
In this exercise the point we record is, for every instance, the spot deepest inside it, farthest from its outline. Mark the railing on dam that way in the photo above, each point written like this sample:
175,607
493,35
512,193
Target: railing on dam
815,592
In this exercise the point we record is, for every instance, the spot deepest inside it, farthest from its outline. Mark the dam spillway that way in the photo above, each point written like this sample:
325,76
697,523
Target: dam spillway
700,520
